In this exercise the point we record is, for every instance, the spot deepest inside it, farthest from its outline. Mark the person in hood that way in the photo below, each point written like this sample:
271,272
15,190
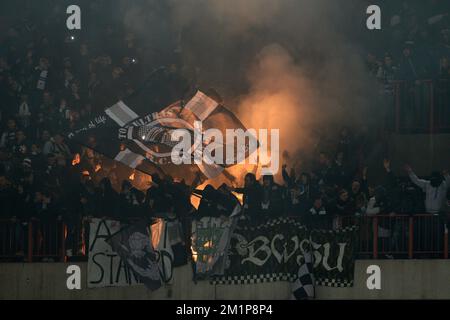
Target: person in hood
435,189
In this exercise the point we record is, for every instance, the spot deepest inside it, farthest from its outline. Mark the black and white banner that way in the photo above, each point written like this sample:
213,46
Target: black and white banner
275,251
210,243
105,267
123,257
133,245
137,130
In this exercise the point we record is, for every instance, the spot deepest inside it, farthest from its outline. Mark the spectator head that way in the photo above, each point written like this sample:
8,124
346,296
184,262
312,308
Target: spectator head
343,195
11,124
89,153
168,179
436,179
74,87
117,72
23,149
68,74
323,158
126,186
67,63
4,182
47,97
105,185
45,135
371,58
43,63
305,178
360,201
90,186
224,189
63,103
388,60
38,196
92,142
35,150
406,51
126,61
59,139
317,202
129,37
20,136
156,178
267,180
356,186
250,179
84,49
209,193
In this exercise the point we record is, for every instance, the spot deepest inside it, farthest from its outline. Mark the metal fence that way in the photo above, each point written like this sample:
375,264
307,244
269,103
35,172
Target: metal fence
398,236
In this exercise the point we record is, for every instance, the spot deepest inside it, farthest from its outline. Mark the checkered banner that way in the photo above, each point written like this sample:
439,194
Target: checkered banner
276,251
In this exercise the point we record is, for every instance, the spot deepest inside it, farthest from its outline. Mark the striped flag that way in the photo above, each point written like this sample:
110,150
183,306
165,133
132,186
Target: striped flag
136,131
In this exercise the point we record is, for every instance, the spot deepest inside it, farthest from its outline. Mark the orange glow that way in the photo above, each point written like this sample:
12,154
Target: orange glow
194,254
195,201
208,244
76,159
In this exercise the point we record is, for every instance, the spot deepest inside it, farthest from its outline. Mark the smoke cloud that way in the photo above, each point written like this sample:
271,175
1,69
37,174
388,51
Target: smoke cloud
294,65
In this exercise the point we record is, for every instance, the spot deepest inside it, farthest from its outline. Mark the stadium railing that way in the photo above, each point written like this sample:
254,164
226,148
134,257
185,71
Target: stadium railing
398,236
401,236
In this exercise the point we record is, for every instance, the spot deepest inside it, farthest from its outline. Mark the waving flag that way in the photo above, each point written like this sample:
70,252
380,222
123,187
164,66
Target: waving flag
137,130
303,286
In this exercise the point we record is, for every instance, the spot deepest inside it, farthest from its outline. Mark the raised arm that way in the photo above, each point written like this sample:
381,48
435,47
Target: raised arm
419,182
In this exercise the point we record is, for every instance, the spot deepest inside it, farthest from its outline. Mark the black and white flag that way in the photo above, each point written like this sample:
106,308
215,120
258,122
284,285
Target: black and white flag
132,243
303,286
137,130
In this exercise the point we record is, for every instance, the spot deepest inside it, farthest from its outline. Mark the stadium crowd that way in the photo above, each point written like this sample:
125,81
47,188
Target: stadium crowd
412,64
49,84
416,42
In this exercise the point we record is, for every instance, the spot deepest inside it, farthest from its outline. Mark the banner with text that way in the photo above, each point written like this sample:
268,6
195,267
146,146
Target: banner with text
276,249
105,267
